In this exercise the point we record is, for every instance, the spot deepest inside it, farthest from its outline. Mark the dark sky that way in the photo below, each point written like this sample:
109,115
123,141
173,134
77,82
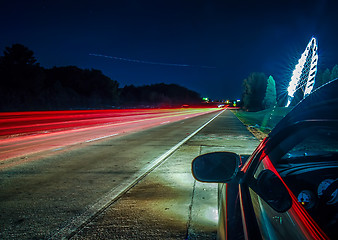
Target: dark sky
207,46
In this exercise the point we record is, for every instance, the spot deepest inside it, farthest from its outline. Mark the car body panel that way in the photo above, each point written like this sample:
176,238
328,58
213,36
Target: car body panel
243,214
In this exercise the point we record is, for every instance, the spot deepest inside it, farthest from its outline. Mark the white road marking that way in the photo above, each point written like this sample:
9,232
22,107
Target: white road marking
99,138
57,149
115,193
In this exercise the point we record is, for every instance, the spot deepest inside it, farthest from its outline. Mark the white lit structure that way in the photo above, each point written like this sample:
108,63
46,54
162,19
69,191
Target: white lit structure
303,77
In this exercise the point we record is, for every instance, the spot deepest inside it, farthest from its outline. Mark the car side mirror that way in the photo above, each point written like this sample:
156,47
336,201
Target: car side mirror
215,167
271,188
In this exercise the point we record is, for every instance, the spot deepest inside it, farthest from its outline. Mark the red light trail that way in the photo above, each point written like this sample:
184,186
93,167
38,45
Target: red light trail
297,212
23,133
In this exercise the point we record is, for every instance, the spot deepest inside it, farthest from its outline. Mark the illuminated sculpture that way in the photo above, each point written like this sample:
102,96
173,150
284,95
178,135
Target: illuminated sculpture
303,77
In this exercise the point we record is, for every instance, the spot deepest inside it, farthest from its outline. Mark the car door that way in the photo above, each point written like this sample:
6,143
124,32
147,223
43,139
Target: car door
273,224
301,161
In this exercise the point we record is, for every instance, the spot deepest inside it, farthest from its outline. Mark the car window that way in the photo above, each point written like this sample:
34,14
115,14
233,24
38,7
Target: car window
307,162
320,142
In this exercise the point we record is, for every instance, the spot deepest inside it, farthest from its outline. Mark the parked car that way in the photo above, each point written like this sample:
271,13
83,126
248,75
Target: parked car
287,188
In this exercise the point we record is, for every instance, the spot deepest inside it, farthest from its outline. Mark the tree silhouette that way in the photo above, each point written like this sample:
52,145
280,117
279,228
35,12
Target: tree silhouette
326,76
334,72
21,78
18,54
254,88
270,97
158,95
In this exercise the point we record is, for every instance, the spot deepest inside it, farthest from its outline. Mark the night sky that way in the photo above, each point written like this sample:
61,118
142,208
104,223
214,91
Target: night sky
207,46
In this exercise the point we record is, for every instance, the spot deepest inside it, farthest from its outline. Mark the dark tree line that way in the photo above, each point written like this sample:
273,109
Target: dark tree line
325,76
158,95
77,88
25,85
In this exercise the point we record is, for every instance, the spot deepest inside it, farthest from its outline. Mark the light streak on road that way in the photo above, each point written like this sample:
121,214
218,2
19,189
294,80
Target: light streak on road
25,133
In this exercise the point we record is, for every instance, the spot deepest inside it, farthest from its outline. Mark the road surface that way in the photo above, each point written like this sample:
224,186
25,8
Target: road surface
31,132
119,187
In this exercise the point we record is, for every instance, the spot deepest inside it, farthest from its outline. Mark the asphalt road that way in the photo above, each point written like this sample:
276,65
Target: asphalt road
81,191
25,133
169,203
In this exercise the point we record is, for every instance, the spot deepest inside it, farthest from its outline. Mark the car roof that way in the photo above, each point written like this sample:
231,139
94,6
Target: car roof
321,104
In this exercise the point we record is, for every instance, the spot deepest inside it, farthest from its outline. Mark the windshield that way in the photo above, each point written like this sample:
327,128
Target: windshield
321,141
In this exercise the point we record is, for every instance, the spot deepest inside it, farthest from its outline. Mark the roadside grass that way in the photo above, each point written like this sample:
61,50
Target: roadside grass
263,121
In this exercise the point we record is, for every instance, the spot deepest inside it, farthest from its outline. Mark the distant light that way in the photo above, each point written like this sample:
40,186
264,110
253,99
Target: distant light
238,100
205,99
303,77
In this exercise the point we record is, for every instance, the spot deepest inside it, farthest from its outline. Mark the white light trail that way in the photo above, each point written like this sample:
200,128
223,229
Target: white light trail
147,62
303,77
313,69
